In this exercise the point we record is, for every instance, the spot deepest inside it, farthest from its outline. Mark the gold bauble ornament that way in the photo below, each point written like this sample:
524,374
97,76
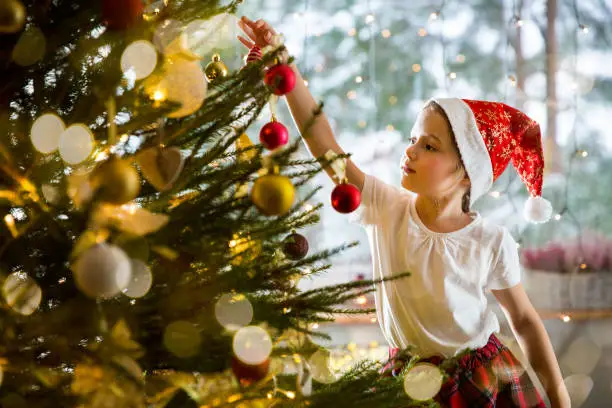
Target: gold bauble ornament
216,69
21,293
243,143
116,181
273,194
12,16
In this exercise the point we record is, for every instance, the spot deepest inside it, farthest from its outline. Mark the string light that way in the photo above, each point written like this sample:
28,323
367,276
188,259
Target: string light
581,153
159,95
518,22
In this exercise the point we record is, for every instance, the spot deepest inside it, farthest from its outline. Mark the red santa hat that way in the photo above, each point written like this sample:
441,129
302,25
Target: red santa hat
490,135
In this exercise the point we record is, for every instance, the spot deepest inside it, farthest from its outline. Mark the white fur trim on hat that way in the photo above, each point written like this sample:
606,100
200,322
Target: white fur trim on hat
472,147
537,210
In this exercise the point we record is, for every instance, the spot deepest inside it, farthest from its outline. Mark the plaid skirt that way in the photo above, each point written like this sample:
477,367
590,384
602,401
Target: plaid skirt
490,376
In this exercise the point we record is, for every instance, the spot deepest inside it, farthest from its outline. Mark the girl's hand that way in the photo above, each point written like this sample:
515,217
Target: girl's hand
258,32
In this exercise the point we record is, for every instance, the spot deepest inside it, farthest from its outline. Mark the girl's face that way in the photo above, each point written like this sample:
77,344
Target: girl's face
431,165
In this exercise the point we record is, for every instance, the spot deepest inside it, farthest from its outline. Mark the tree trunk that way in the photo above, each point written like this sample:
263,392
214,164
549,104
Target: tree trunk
553,152
521,97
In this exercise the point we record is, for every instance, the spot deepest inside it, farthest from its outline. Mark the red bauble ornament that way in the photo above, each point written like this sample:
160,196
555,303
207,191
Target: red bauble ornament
248,374
273,135
345,198
280,78
295,246
122,14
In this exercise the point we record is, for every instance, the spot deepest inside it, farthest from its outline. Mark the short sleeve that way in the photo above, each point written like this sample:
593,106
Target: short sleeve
506,271
376,198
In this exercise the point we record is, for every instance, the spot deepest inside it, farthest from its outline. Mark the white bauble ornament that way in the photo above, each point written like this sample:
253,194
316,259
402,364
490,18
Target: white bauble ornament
102,271
141,280
323,367
423,381
182,81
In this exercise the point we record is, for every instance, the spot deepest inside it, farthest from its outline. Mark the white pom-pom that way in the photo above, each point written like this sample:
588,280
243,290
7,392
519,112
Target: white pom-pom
537,210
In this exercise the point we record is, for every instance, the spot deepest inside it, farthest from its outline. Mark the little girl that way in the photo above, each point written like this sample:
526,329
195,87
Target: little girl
457,149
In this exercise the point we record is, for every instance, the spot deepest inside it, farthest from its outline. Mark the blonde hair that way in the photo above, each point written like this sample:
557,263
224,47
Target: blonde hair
465,200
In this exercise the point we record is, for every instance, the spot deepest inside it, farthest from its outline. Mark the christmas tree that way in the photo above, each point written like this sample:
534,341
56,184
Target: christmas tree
149,253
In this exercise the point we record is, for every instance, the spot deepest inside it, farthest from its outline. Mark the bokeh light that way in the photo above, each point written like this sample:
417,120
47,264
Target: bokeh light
182,338
252,345
76,144
46,132
233,311
140,58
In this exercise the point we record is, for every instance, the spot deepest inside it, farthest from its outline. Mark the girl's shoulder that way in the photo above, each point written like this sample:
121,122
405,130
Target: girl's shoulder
497,236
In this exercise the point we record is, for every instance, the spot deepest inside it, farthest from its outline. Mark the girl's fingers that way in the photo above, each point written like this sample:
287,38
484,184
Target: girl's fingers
265,27
247,30
246,20
247,43
259,26
260,32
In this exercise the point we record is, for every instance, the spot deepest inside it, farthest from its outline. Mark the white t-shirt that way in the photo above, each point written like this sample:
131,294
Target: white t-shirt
442,307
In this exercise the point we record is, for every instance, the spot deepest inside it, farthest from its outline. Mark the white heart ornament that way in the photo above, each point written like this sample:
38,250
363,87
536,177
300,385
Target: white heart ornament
161,166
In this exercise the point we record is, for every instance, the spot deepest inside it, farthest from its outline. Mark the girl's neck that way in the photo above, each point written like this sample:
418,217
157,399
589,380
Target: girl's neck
441,215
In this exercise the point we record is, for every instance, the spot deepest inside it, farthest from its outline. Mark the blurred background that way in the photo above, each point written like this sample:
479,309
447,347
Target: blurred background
374,64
